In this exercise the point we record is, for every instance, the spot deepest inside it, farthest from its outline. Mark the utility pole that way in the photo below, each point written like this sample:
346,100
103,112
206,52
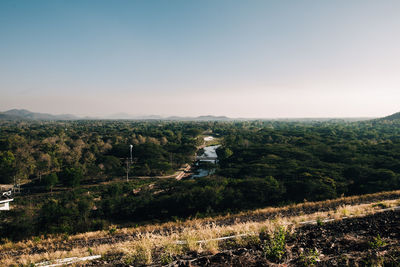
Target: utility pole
129,162
127,169
131,146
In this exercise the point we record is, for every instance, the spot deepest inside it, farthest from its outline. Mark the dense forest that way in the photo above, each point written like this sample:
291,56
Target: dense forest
93,149
72,172
316,161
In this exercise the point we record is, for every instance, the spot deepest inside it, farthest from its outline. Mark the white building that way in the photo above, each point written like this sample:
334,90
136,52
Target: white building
5,199
5,204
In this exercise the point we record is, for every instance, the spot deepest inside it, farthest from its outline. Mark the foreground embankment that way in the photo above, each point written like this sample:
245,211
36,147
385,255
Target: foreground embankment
353,230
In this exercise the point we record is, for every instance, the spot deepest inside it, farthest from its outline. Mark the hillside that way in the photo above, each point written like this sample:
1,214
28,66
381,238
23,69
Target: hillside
347,231
23,114
10,117
395,116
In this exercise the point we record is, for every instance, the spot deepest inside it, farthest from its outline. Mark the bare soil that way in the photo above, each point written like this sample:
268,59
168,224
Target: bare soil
348,242
307,208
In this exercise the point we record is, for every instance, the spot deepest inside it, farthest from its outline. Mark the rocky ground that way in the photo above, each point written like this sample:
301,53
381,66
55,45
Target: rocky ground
307,208
372,240
368,241
365,241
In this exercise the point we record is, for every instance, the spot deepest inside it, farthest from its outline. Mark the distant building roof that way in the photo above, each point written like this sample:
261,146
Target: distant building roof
6,200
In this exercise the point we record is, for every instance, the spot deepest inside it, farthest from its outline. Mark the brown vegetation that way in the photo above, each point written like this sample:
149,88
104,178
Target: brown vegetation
172,241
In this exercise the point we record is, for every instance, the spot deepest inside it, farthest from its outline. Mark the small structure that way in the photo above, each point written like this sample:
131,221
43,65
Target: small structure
5,204
5,199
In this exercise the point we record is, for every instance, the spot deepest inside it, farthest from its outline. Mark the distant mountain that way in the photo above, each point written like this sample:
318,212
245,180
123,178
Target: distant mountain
126,116
23,114
200,118
9,117
395,116
212,118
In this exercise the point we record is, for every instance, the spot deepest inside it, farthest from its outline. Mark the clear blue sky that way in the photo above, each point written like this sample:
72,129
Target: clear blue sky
234,58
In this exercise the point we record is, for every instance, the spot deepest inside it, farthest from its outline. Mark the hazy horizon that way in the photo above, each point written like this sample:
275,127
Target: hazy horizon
124,114
258,59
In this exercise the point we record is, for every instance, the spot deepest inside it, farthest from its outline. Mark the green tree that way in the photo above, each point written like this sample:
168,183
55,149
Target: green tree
43,164
50,181
7,167
224,153
112,165
72,176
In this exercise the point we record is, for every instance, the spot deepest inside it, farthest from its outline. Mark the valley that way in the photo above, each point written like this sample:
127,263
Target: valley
204,193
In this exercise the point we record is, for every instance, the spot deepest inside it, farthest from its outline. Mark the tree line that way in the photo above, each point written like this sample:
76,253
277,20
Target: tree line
261,163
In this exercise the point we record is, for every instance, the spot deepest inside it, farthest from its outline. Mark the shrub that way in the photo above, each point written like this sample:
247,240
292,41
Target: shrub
274,248
112,230
309,257
377,243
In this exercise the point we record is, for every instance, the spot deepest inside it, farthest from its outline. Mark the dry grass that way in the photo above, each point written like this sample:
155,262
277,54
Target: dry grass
160,242
340,202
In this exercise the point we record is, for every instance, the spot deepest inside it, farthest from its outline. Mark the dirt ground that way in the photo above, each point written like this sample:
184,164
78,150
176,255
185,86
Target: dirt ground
339,243
368,241
373,240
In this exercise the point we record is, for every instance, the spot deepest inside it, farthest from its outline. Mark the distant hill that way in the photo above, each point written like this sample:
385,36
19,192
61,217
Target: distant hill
200,118
125,116
9,117
23,114
395,116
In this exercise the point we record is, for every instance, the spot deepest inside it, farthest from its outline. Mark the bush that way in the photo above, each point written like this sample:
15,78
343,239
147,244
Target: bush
309,257
377,243
49,181
275,247
72,176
